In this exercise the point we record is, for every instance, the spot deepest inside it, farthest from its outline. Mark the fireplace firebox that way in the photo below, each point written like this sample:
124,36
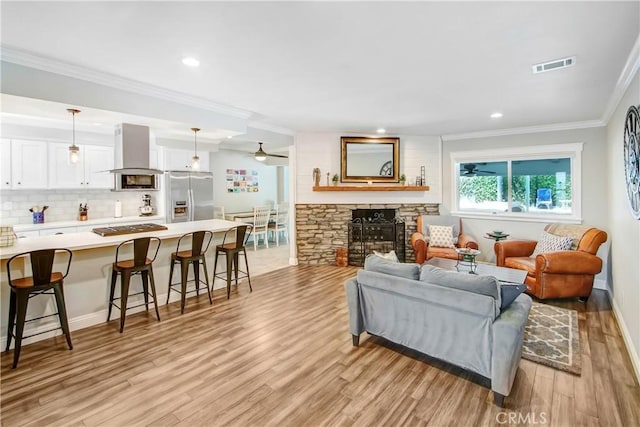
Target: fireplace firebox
375,230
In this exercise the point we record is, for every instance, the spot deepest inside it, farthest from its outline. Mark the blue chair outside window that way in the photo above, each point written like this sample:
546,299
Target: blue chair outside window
543,198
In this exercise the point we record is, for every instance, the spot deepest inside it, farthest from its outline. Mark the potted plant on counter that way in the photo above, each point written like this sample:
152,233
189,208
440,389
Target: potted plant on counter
335,179
403,179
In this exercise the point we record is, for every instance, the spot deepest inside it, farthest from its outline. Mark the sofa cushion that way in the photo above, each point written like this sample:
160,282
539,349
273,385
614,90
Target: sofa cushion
391,255
485,285
522,263
509,292
551,243
441,236
453,221
382,265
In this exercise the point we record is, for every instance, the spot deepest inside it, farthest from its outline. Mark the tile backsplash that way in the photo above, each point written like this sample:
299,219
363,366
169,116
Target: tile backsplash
63,204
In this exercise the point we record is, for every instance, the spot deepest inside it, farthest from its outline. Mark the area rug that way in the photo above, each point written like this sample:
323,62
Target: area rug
551,338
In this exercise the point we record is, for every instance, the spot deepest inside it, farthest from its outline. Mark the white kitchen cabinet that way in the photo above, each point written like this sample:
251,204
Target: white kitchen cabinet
98,160
63,174
180,160
89,172
28,164
5,164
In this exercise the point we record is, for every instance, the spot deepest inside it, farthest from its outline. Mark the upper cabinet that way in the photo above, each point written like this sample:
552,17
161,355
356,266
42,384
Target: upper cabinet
90,172
28,164
5,164
98,160
180,160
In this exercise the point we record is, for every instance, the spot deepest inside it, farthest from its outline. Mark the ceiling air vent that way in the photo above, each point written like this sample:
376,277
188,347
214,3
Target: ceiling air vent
554,65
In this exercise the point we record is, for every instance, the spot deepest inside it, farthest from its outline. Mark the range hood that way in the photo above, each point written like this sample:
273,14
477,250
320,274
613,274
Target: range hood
132,151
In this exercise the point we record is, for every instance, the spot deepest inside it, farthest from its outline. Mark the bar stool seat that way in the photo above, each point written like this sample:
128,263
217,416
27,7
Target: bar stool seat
43,281
141,264
195,256
232,250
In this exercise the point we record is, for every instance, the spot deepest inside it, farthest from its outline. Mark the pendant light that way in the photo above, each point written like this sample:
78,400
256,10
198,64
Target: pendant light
74,150
195,160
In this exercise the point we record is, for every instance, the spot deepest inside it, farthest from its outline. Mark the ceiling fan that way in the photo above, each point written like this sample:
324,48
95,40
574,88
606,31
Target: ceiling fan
261,155
471,169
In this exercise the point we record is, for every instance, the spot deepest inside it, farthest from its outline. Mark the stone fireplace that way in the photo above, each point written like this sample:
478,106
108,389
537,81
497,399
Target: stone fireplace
323,228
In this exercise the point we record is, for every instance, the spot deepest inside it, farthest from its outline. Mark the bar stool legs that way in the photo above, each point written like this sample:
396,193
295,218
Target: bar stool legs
148,288
141,264
185,261
232,267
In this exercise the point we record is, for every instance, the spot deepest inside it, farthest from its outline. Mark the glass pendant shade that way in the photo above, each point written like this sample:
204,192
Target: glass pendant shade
195,160
74,154
74,150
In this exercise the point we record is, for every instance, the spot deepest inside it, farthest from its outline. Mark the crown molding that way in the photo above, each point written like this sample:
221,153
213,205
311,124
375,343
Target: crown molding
48,64
271,128
626,77
524,130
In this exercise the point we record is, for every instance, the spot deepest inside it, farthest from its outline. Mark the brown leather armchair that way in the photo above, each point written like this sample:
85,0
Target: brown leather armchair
421,249
562,274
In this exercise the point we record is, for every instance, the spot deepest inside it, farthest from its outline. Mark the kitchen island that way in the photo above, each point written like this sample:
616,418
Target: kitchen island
87,285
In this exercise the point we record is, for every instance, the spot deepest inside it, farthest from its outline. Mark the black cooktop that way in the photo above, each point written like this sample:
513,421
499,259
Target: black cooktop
128,229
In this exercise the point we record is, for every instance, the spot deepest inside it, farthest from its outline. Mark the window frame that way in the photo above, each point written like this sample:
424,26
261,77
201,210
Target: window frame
573,151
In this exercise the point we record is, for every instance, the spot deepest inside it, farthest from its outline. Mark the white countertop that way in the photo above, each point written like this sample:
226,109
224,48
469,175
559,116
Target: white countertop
99,221
90,240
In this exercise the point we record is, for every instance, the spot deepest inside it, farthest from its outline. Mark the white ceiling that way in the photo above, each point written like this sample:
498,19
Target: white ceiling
412,67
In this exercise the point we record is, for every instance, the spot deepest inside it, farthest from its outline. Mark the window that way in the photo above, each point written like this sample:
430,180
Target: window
527,182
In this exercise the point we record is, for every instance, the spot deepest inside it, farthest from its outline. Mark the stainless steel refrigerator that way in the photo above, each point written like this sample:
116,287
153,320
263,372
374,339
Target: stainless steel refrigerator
189,196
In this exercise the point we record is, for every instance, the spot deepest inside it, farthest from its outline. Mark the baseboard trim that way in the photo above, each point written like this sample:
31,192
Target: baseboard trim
626,337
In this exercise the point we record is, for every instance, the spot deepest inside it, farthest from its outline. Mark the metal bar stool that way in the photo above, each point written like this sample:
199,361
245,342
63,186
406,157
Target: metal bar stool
140,264
44,281
231,249
194,256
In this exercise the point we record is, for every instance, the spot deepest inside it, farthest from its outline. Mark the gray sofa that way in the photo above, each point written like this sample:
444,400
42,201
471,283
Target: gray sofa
454,317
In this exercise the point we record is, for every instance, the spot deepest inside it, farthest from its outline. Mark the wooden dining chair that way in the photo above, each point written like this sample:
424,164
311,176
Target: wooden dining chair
261,216
281,224
218,212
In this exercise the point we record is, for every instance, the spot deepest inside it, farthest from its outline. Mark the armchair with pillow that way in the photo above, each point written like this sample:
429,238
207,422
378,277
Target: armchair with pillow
439,236
562,264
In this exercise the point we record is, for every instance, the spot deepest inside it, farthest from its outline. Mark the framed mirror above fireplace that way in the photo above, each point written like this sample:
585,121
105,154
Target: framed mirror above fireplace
365,159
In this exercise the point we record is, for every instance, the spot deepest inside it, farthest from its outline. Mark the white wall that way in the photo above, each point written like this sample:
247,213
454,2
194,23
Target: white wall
238,202
594,186
624,231
322,150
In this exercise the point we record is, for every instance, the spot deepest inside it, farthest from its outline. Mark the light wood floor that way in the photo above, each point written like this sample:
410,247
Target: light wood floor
282,355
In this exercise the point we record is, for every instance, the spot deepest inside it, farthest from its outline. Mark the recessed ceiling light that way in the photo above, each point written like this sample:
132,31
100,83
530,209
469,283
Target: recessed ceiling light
229,136
191,62
496,115
381,130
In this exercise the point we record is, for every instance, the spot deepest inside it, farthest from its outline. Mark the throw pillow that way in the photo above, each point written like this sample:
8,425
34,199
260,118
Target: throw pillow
485,285
391,256
382,265
551,243
441,236
509,292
